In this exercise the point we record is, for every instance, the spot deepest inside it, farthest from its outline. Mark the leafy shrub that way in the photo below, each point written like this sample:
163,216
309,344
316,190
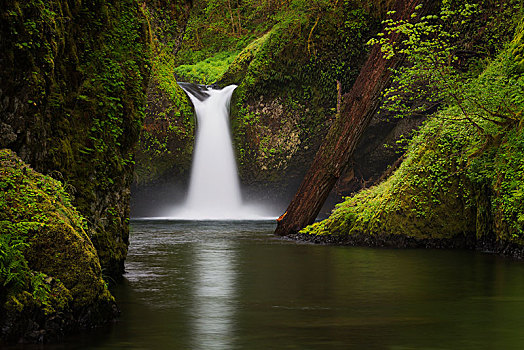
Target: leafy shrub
438,73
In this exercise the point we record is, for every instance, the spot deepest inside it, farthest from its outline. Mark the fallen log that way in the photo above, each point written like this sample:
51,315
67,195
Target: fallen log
357,108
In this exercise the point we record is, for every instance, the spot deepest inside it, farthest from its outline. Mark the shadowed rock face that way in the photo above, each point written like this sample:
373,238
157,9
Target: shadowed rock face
377,151
199,91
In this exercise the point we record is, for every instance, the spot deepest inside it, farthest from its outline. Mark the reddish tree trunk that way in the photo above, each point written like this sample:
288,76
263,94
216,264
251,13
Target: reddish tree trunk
358,107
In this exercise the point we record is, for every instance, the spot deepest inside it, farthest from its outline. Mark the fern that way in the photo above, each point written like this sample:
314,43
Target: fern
13,265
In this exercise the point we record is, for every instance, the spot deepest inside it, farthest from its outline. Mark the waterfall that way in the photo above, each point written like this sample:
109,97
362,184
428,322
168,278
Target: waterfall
214,188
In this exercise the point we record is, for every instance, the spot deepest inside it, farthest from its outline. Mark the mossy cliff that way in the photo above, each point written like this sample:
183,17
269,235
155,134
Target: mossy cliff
457,186
49,269
166,141
287,93
72,92
164,150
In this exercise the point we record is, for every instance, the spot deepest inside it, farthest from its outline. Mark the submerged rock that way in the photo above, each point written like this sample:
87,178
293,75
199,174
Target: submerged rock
53,283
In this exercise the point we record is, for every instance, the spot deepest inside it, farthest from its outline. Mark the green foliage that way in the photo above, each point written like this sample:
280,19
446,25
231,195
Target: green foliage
41,289
436,72
207,71
15,273
326,31
501,169
115,93
217,26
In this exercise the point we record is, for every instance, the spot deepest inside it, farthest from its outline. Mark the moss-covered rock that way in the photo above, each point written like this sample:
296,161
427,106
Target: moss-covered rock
460,183
58,285
166,143
444,194
424,198
238,69
72,92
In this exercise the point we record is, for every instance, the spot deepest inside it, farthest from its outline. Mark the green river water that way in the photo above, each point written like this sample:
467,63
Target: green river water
233,285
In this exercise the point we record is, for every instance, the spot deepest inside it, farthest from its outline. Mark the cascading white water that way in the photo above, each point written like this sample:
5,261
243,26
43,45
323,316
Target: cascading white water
214,188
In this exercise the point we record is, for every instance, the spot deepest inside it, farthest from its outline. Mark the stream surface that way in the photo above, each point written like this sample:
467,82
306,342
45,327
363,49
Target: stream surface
233,285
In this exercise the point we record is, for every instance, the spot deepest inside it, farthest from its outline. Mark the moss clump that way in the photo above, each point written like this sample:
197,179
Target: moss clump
58,286
239,66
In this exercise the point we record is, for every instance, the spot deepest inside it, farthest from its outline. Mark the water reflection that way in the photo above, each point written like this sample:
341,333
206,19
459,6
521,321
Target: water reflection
219,285
214,295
